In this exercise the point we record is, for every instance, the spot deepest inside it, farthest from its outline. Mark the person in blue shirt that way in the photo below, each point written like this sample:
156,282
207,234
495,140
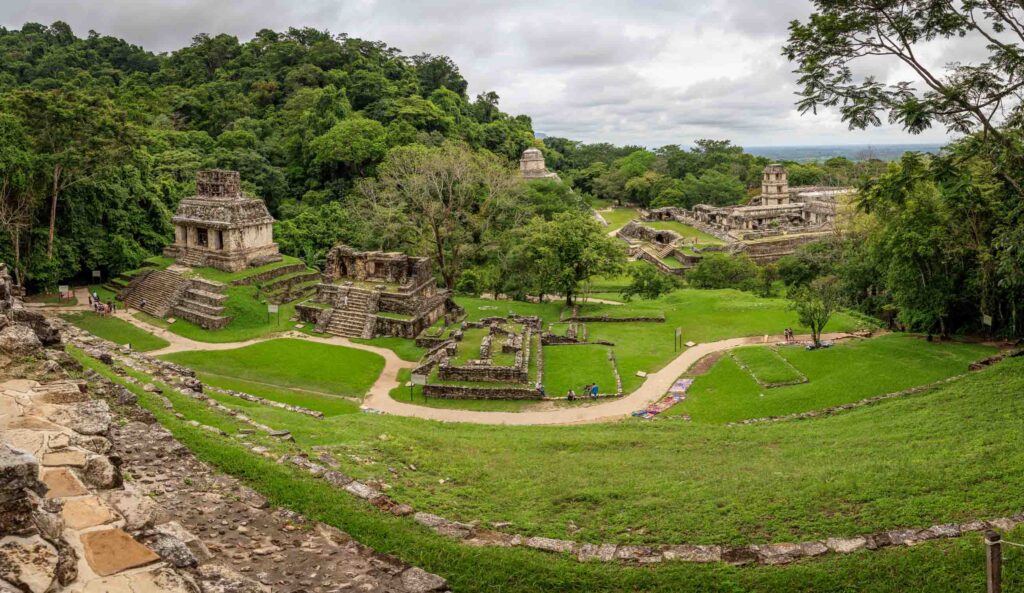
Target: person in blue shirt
593,391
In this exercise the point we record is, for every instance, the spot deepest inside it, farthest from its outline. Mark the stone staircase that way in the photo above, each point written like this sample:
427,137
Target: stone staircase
665,251
357,317
155,292
203,304
192,259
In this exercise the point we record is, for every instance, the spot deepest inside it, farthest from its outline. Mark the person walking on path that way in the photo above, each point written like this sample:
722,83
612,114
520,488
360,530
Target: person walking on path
593,391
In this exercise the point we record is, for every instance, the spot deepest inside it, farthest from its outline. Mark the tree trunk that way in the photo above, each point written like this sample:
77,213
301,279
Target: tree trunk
16,245
53,210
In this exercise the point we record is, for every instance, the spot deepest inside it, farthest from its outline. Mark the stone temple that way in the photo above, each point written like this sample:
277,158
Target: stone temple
770,226
365,294
531,166
220,228
780,209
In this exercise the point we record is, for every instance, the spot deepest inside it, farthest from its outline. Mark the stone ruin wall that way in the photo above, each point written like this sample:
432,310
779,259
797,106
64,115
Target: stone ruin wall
635,230
489,373
343,262
218,183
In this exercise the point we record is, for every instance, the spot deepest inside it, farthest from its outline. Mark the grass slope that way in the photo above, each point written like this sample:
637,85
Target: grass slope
948,455
117,331
293,364
938,566
845,373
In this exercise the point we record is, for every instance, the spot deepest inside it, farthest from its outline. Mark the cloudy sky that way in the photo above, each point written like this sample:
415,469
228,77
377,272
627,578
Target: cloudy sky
649,72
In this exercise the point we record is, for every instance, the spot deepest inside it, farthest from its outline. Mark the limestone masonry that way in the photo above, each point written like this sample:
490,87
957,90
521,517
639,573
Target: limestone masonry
531,166
364,294
220,228
771,226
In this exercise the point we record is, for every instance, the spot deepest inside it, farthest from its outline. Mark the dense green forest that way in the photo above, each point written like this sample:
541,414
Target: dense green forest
100,138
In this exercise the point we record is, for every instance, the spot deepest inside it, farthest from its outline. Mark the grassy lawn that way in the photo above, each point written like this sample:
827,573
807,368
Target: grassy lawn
766,365
330,405
405,349
946,455
573,367
703,315
618,217
685,231
117,331
228,277
847,372
52,298
290,363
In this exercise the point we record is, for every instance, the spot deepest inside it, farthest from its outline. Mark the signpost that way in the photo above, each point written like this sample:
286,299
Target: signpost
415,380
63,290
271,309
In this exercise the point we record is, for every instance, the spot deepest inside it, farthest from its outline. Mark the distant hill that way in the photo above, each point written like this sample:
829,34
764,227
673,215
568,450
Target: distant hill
856,152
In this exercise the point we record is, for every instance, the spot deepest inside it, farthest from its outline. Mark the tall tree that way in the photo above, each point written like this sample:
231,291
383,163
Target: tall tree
17,199
567,251
445,195
75,136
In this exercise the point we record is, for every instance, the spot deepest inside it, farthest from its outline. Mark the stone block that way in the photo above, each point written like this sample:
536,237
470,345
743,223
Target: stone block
417,580
88,511
693,553
28,562
550,544
599,552
61,483
111,551
66,457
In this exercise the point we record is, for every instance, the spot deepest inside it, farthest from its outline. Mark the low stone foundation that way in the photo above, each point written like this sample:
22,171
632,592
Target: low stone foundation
465,392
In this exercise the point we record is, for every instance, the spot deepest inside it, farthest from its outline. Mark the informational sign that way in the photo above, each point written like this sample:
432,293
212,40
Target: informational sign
95,273
272,308
679,333
986,320
63,288
419,379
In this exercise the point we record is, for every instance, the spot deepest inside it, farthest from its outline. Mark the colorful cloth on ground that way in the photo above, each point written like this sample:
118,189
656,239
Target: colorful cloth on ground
676,394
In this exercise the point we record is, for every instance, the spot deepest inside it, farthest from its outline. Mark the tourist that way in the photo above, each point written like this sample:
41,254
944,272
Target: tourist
142,304
540,388
90,299
593,391
571,396
586,390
